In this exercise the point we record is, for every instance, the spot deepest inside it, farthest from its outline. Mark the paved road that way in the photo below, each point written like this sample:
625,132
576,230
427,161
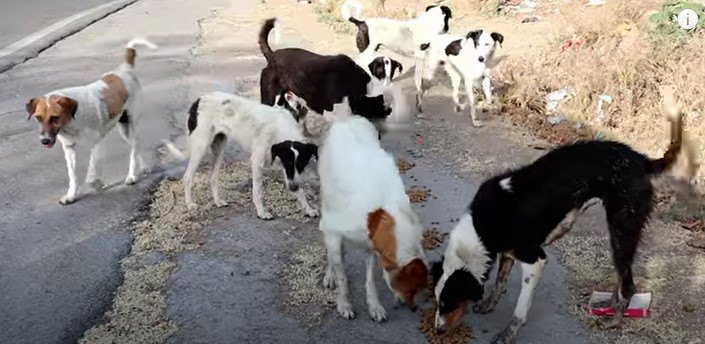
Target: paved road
59,265
20,18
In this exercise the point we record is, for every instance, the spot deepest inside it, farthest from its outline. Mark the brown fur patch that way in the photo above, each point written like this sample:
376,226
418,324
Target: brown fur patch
380,230
52,113
411,279
452,318
115,94
130,55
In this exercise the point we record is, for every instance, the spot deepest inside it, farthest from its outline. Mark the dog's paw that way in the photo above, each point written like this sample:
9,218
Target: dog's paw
67,199
329,280
378,313
220,203
477,123
458,108
505,337
610,323
311,212
483,307
264,215
345,309
130,180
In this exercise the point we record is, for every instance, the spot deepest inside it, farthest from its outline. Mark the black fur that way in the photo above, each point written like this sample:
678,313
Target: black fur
321,80
447,15
453,48
290,161
193,116
125,117
396,65
362,38
475,36
460,287
424,46
377,68
498,37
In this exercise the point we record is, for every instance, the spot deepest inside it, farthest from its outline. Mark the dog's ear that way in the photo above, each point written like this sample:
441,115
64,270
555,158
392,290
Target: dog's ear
424,46
429,7
31,106
377,68
446,11
69,105
454,48
475,36
475,290
498,37
312,149
396,65
276,150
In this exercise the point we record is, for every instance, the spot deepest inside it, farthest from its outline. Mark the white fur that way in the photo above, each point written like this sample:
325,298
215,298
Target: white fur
464,68
141,42
401,36
91,123
255,127
358,177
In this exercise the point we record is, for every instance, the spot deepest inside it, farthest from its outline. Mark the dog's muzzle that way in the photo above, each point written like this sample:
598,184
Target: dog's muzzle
481,59
47,141
293,186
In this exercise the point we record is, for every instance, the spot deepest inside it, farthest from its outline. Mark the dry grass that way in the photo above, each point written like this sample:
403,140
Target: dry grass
613,51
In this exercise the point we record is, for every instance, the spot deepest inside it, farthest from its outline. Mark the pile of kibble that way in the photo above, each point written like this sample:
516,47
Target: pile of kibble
404,165
461,334
432,238
418,195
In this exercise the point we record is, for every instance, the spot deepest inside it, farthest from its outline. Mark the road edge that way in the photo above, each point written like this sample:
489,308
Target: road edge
32,45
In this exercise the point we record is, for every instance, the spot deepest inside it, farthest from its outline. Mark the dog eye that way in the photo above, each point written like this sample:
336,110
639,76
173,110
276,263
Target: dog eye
54,120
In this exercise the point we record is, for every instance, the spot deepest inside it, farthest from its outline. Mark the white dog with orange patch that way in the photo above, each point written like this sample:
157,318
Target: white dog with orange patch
364,201
87,113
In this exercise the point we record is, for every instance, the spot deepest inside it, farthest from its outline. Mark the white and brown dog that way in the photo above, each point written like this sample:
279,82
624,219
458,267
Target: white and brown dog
87,113
364,201
265,131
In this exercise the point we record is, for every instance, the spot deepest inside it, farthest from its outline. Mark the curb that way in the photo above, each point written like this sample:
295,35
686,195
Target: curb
30,46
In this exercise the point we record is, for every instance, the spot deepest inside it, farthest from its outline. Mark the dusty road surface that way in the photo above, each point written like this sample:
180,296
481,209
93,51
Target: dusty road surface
132,265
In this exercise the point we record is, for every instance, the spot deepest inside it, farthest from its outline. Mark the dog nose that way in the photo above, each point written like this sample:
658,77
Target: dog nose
293,187
441,329
481,59
45,141
414,308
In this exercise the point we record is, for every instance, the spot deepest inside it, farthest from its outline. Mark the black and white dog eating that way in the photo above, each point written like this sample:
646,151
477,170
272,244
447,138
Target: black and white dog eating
514,214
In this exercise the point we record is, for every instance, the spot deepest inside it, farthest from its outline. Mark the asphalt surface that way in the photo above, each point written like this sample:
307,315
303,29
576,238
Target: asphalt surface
21,18
59,265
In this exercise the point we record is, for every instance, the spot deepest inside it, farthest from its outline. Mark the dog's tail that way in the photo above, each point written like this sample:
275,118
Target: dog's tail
674,114
346,11
177,153
269,25
131,53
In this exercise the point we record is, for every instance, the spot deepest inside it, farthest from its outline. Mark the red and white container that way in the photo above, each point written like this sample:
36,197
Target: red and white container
639,305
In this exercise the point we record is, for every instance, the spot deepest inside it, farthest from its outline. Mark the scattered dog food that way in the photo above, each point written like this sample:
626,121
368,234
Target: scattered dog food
459,335
404,165
418,195
432,238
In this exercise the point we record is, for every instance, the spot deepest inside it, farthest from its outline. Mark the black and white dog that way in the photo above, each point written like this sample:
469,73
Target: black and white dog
514,214
322,81
466,59
401,36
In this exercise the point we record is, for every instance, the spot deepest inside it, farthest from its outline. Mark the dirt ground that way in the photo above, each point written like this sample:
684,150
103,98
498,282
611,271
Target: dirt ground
166,242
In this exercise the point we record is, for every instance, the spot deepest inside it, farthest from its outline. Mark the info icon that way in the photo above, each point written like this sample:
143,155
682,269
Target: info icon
687,19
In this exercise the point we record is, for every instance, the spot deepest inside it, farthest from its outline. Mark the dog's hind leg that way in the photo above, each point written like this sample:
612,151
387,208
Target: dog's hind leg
198,148
487,305
334,247
308,209
487,89
126,129
532,267
218,148
377,312
627,215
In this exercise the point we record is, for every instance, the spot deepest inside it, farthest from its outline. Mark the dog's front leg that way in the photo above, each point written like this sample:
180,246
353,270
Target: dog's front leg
418,81
500,286
377,312
257,162
455,80
94,171
70,155
303,201
473,109
531,274
487,89
334,246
